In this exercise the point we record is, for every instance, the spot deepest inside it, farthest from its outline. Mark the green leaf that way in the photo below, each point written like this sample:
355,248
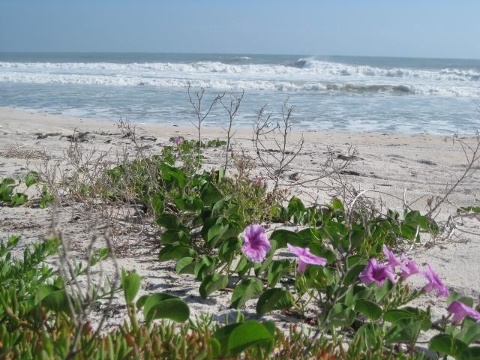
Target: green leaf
99,255
276,270
188,203
228,249
447,345
172,173
409,313
18,199
428,224
205,266
466,209
235,338
176,250
471,353
470,332
282,237
243,265
216,231
368,308
211,283
367,336
222,336
8,182
185,265
46,198
382,291
130,285
168,221
173,236
157,202
248,334
164,306
408,232
341,316
216,347
12,241
311,235
352,274
31,178
349,296
296,209
353,260
274,299
245,291
210,195
404,331
52,297
337,205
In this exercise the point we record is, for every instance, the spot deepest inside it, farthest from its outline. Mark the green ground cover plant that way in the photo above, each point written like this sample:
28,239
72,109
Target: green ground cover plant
37,323
9,195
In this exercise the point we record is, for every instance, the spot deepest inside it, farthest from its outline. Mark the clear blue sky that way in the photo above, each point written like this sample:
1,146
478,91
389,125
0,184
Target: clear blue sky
421,28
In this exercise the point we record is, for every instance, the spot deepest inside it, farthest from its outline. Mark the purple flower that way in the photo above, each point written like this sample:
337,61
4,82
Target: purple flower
408,267
256,243
434,282
392,260
305,257
460,311
377,273
176,140
258,182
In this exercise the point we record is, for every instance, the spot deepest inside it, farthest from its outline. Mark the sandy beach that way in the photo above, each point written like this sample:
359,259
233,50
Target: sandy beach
393,169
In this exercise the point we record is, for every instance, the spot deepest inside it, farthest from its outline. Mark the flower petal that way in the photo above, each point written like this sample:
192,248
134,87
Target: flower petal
460,311
375,272
392,260
306,257
434,282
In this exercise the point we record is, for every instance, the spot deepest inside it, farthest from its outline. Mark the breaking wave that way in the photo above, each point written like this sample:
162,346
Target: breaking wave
304,74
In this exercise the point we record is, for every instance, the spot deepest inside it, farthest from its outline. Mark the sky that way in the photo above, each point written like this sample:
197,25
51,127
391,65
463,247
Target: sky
408,28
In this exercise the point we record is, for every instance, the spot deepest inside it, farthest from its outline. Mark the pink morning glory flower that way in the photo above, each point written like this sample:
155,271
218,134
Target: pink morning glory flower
256,244
177,140
460,311
408,268
434,282
258,182
305,257
392,260
375,272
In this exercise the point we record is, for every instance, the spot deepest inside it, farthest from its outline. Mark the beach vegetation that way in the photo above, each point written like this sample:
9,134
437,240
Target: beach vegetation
337,267
14,192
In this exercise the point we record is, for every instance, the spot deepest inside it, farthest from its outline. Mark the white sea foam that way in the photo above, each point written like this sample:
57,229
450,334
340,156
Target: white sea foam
300,68
302,75
405,95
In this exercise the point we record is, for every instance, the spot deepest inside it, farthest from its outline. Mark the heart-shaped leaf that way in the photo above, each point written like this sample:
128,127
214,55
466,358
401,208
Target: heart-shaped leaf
245,291
368,308
246,335
176,250
446,344
274,299
211,283
53,298
164,306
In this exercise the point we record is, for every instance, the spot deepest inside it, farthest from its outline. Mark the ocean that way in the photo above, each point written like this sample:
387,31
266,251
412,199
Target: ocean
344,93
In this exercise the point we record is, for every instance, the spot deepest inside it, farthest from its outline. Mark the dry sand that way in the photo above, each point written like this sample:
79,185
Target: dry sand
394,168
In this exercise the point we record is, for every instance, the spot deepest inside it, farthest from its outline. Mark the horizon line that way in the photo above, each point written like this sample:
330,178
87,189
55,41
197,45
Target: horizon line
226,53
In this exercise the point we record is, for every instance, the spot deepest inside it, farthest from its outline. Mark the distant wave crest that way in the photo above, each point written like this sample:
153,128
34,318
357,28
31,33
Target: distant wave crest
304,74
